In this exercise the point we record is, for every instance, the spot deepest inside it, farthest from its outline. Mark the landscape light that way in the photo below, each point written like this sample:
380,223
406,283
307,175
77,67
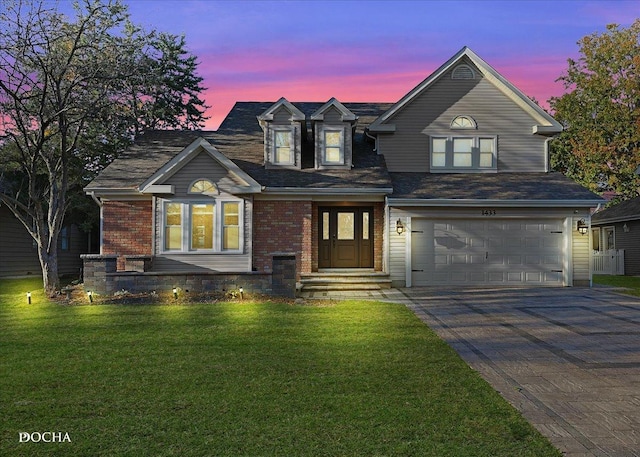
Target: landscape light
90,295
29,298
175,293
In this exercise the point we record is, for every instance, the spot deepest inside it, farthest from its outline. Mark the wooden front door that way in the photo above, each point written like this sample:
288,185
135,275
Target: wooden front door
345,237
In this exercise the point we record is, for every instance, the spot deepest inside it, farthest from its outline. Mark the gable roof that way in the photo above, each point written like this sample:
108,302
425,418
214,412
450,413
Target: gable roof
240,139
296,114
546,123
627,210
188,153
333,102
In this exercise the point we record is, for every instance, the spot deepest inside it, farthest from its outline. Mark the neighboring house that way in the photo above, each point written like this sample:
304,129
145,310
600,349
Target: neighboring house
449,186
18,253
617,228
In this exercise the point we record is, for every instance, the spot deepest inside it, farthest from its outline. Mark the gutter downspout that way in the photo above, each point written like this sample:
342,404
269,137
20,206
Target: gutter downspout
374,138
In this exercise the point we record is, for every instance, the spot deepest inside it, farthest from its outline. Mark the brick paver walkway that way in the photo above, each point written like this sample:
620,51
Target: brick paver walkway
568,359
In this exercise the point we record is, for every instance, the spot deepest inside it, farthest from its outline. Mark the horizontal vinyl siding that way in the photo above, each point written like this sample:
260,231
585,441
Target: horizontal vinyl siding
630,242
580,255
203,166
18,255
202,262
397,249
432,112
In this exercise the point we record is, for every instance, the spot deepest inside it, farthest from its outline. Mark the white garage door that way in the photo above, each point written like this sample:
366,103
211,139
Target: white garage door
483,252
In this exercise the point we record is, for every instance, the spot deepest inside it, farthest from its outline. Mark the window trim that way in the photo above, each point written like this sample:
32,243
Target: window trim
475,154
329,129
473,124
609,229
187,229
214,188
292,146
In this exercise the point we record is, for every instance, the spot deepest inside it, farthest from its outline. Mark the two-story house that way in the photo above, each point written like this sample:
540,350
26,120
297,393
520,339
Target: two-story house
451,185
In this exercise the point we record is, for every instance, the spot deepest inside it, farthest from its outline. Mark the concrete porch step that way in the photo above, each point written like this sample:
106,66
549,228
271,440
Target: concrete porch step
344,280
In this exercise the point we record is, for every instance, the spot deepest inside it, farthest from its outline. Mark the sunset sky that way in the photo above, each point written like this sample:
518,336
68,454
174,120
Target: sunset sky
372,50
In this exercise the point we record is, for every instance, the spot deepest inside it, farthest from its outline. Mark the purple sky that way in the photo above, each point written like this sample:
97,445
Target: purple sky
372,50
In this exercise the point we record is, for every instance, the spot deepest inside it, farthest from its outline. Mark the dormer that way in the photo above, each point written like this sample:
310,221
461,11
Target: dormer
283,125
333,126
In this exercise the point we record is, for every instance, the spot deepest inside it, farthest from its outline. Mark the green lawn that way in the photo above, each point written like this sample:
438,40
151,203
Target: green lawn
348,378
631,284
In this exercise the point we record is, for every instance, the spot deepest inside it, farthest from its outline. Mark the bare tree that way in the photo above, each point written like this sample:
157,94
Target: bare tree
65,88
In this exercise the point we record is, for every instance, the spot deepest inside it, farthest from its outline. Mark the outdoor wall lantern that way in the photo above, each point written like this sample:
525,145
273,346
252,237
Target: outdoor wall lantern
29,298
400,228
583,228
626,228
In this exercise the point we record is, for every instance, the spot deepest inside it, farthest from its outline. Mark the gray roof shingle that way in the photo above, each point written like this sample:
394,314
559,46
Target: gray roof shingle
626,210
240,138
489,186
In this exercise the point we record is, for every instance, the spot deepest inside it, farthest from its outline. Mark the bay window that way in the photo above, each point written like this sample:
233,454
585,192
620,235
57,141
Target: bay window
199,226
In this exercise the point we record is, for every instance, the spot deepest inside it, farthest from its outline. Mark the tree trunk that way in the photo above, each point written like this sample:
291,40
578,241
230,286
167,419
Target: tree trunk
49,264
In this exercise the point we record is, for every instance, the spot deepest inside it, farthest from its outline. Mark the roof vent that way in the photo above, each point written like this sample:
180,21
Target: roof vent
463,72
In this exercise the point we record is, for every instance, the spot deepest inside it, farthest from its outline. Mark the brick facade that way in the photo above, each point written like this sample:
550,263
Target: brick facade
127,229
282,227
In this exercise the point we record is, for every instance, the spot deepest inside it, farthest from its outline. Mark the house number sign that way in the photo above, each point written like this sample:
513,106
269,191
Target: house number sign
488,212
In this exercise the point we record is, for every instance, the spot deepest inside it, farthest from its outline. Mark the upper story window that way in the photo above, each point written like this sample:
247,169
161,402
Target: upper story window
202,186
463,122
463,154
333,153
283,151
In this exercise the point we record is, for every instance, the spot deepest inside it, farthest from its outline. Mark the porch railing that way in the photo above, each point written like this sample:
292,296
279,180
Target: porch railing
609,262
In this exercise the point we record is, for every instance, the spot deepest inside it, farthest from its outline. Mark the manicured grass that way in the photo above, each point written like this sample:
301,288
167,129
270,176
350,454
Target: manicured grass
631,284
243,379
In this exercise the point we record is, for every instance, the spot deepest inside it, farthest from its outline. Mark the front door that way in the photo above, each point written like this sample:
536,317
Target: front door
346,237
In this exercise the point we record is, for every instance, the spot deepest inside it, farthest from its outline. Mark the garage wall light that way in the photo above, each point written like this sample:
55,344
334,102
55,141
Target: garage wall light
583,228
400,228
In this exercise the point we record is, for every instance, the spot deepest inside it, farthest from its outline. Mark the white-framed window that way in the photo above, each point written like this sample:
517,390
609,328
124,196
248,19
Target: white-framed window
333,146
202,186
212,225
463,122
463,153
283,147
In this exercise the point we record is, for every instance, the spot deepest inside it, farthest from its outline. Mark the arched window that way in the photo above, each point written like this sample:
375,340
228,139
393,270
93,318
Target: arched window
463,122
203,186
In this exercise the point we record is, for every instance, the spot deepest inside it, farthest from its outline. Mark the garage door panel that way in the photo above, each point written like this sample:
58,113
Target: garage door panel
487,252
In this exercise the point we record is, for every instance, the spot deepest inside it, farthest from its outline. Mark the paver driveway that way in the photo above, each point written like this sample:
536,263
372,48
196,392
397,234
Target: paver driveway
568,359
